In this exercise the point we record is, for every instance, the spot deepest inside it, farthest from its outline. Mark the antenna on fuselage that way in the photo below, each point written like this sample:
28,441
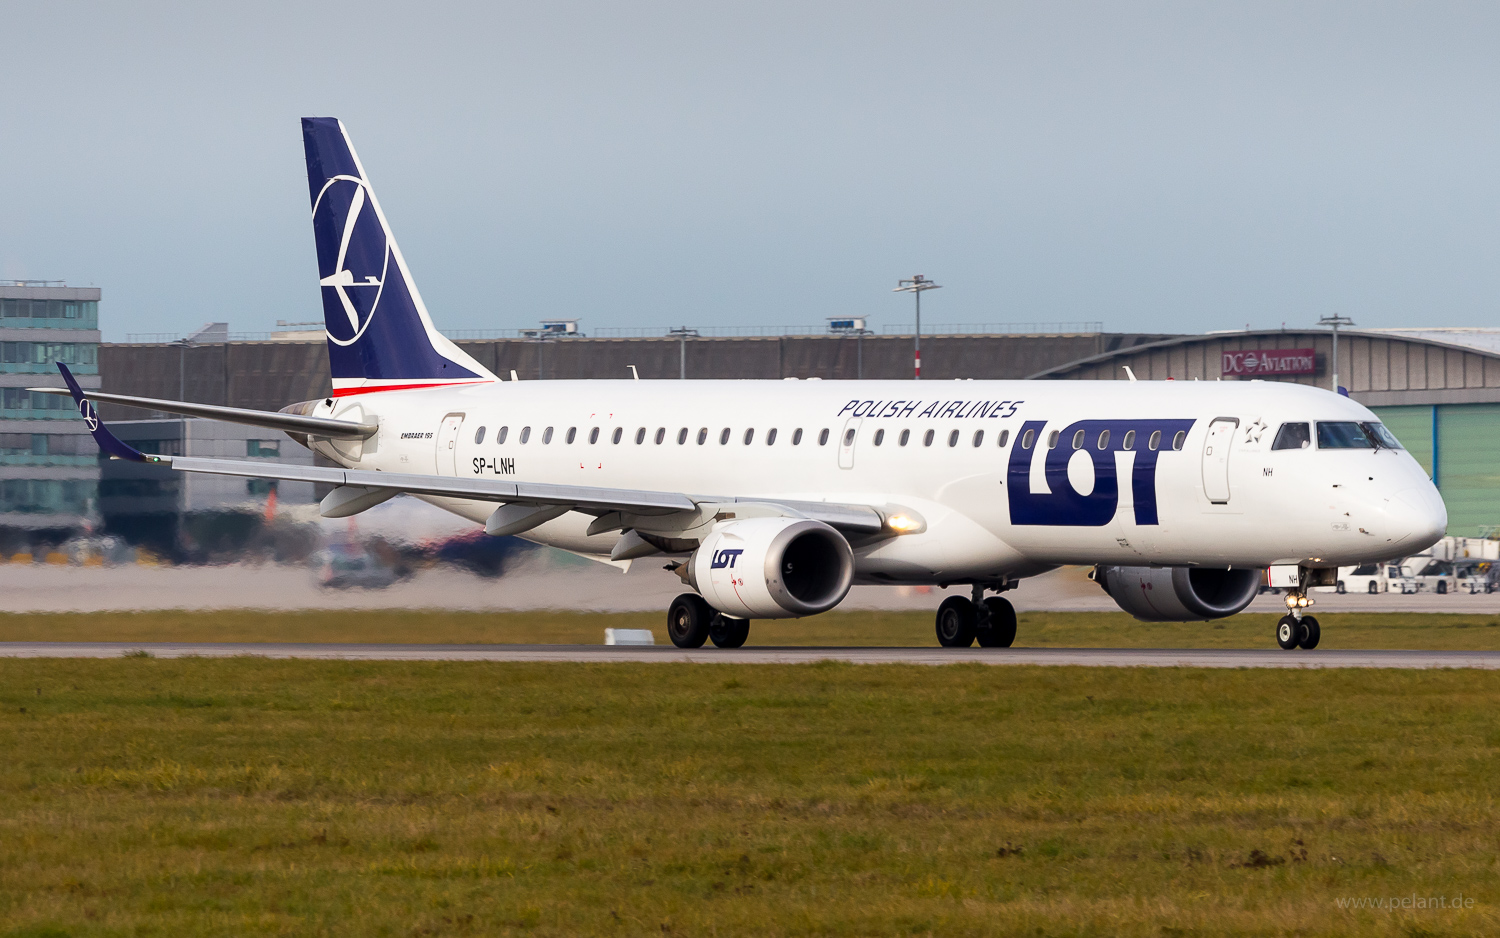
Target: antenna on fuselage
1128,372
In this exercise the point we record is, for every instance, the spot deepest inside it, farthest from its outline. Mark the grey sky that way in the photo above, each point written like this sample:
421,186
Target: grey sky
1155,166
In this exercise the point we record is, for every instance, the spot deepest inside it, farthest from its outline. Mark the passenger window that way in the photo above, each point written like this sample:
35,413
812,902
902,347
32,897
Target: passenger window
547,435
1052,439
1293,436
702,435
1104,439
724,437
640,436
771,437
1154,443
749,436
615,437
797,437
1003,439
978,438
682,436
849,437
879,437
823,437
953,438
1179,439
1342,435
661,434
500,437
479,436
1078,440
525,434
594,435
928,437
905,437
1027,439
1129,441
572,434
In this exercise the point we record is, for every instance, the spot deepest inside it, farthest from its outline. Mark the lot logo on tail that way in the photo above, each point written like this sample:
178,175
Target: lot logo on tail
1065,506
353,278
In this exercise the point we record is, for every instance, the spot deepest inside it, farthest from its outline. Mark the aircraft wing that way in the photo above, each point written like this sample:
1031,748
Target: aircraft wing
590,499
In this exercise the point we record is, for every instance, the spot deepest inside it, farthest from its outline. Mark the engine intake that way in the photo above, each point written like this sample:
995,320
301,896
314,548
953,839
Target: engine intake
772,568
1179,594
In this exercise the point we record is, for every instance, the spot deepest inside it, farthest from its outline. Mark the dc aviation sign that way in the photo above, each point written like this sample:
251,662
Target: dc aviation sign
1269,362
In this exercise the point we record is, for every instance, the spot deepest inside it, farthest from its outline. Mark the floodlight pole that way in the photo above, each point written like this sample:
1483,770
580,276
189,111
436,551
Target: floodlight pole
682,333
1335,321
915,286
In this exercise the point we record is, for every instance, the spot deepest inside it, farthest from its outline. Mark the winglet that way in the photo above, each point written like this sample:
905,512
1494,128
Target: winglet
107,441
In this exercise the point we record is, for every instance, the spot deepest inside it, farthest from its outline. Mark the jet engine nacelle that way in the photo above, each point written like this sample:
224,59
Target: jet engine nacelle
772,568
1179,594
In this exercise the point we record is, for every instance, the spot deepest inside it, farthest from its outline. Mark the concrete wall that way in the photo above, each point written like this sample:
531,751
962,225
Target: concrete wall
269,375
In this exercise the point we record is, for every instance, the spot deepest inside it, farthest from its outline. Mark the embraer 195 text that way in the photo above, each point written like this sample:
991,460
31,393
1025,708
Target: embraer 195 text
770,498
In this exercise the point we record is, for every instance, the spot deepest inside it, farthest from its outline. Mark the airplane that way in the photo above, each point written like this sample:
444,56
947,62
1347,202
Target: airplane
769,499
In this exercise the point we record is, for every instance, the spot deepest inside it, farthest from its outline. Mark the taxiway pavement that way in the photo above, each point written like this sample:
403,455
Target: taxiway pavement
1085,657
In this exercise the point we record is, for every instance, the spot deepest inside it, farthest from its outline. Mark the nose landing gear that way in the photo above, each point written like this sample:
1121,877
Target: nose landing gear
1297,629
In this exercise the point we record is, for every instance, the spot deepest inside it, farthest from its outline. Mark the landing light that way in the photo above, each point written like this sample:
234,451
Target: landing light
903,524
1295,601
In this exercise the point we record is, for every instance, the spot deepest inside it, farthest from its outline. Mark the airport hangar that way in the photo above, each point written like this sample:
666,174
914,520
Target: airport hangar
1437,389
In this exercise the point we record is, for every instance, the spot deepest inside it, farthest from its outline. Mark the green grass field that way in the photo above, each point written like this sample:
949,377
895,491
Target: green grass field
143,796
1440,631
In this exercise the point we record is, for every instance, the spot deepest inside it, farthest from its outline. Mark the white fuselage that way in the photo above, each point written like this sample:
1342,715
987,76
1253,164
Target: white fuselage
1224,498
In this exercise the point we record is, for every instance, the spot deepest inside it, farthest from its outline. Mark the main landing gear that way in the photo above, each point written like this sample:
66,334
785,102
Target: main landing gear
691,621
1297,629
961,620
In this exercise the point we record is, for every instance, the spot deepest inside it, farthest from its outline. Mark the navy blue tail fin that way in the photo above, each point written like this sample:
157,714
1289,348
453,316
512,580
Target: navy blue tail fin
379,333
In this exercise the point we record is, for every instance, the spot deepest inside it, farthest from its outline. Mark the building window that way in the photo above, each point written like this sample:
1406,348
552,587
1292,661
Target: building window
263,448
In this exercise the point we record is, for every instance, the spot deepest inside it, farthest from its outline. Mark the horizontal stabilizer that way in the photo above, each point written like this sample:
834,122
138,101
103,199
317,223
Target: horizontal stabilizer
290,423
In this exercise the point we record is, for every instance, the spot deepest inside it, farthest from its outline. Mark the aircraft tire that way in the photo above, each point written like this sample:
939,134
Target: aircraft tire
687,620
1002,629
725,632
1310,633
1340,588
1288,632
956,621
1373,588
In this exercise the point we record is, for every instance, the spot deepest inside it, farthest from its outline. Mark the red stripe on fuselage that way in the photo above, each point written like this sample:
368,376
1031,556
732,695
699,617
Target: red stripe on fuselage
347,392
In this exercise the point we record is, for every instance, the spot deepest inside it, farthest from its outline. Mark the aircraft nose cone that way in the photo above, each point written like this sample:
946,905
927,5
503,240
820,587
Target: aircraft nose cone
1417,519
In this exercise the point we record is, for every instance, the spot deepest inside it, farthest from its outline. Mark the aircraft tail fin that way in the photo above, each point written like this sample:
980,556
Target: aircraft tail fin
379,333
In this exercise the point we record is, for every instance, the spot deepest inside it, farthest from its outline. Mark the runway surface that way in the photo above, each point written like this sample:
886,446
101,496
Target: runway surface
1087,657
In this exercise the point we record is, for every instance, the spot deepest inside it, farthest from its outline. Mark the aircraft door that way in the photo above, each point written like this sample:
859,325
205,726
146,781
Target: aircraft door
848,437
1216,459
447,445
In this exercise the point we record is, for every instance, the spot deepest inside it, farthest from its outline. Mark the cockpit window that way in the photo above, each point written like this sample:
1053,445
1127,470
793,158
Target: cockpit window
1293,436
1385,437
1343,434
